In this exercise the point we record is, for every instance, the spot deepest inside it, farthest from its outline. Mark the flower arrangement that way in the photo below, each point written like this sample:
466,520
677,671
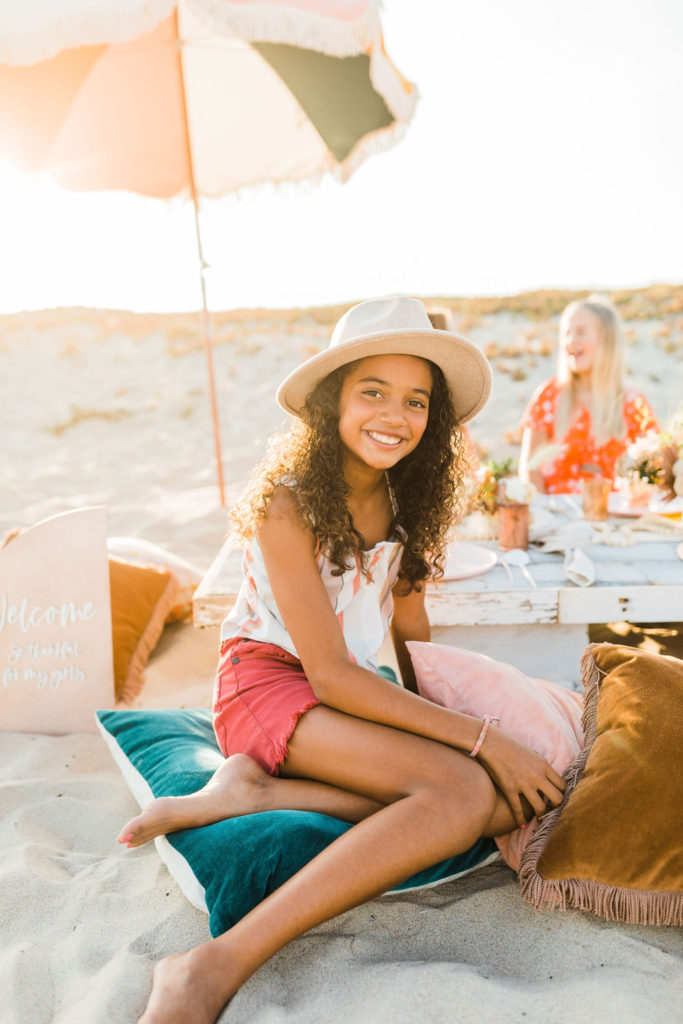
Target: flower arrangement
671,473
656,458
496,485
488,478
515,491
642,460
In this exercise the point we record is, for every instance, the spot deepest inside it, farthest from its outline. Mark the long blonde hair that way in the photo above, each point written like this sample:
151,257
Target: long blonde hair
607,374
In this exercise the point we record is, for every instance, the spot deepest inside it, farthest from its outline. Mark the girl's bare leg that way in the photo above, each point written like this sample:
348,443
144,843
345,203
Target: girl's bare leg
435,803
241,786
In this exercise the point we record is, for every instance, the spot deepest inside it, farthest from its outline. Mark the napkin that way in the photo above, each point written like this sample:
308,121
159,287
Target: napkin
577,534
578,567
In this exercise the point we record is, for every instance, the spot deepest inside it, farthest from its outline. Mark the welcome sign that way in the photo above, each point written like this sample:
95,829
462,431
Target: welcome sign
56,660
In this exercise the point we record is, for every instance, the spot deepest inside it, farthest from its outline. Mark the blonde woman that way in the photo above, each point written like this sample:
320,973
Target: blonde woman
585,410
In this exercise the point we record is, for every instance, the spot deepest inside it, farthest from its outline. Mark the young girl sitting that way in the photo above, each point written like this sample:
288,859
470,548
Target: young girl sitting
345,523
585,408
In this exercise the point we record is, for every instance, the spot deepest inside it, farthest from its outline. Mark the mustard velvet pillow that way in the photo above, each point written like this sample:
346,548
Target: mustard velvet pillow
615,844
144,552
141,598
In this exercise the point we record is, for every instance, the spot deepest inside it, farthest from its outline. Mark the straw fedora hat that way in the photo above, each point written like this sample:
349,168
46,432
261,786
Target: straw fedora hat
398,326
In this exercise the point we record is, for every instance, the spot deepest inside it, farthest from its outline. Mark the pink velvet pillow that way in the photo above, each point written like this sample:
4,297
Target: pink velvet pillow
545,716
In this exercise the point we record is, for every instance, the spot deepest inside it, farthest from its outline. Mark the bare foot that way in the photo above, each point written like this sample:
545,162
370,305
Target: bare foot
239,786
191,988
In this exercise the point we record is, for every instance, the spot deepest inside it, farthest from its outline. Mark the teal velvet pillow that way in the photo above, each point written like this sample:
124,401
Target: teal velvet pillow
227,868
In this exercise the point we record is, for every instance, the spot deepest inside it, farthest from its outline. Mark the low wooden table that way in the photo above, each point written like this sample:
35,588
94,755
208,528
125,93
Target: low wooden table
542,630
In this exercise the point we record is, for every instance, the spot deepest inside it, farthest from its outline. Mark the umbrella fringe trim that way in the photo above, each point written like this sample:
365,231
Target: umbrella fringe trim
398,93
265,22
89,28
378,141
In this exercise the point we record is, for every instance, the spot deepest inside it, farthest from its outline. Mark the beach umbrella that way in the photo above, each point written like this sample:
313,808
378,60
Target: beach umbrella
201,98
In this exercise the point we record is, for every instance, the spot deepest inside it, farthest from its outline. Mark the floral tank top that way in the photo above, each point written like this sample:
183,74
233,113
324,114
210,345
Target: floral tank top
363,601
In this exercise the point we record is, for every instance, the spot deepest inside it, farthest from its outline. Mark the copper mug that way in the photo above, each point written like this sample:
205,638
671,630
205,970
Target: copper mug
513,527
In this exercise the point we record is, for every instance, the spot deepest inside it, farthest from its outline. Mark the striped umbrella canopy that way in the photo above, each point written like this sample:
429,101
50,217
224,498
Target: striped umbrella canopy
199,97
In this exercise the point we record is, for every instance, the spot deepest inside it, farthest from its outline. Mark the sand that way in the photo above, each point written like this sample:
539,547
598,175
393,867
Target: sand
109,408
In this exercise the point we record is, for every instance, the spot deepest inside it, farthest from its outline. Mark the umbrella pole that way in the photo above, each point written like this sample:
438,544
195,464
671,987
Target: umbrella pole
206,325
207,336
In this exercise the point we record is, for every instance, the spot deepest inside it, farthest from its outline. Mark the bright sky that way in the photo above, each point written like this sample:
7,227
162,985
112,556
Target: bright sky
546,151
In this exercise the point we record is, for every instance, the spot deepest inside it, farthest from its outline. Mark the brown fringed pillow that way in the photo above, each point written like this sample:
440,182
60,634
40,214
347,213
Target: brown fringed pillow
615,844
141,599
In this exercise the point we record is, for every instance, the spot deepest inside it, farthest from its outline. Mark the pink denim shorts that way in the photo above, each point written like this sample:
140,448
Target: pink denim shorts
260,693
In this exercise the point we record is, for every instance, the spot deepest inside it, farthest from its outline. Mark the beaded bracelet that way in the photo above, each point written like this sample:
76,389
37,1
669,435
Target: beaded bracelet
482,735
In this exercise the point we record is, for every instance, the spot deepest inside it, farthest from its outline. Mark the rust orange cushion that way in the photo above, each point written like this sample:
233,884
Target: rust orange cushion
614,846
144,552
141,598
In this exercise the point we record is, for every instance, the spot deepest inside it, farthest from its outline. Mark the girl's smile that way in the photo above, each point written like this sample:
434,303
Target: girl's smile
384,408
385,439
581,336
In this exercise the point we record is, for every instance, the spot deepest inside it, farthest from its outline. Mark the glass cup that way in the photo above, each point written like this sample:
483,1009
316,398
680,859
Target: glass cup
639,494
513,527
595,491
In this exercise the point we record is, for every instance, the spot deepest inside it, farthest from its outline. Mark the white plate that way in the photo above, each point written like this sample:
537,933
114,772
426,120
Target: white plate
667,508
465,560
617,505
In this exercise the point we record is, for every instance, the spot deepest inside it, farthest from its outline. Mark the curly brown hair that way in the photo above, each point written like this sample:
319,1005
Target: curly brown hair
428,483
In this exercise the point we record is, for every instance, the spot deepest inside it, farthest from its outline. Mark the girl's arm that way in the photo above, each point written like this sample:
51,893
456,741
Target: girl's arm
288,548
638,415
410,622
531,442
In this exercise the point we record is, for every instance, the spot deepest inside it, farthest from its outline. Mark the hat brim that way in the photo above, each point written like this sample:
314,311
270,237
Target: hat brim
464,366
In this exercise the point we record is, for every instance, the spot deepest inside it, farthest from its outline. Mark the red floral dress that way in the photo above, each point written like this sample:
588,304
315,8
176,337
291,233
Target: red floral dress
563,474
